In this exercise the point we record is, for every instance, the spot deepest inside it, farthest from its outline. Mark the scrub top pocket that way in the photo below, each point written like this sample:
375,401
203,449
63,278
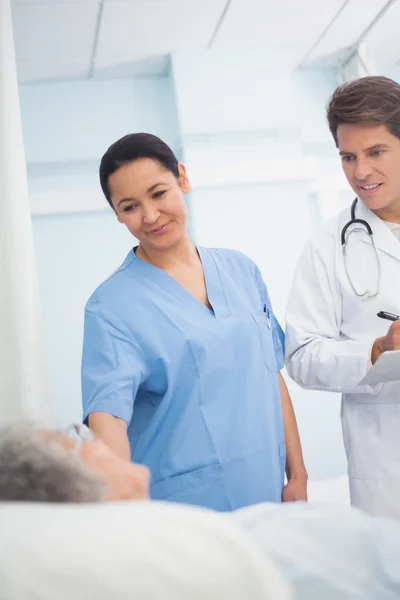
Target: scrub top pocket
266,339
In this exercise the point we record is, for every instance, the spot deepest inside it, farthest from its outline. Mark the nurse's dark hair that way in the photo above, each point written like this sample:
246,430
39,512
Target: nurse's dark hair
132,147
371,100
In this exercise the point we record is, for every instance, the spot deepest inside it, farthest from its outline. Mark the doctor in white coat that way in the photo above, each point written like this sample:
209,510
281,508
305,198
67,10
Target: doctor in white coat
346,275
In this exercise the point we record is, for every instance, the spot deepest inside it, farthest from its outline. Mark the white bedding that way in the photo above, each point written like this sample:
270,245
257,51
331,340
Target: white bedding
328,551
130,551
166,551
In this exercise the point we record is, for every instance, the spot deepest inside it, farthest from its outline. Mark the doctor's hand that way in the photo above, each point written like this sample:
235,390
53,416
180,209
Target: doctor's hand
391,341
295,490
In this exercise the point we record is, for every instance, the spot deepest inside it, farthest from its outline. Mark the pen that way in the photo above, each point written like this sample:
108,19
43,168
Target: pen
266,311
389,316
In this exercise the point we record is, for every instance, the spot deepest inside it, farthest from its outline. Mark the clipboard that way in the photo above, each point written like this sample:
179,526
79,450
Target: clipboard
386,368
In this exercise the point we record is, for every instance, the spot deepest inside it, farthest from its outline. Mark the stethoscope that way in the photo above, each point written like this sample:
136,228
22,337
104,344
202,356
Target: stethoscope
365,227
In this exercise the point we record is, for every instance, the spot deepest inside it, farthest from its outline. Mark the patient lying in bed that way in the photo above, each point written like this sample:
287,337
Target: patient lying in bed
280,552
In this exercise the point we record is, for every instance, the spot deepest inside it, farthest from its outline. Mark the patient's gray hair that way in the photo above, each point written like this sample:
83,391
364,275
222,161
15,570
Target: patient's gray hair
36,469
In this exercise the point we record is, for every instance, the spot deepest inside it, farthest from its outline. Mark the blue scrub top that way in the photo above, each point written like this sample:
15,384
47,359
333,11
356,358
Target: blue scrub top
198,388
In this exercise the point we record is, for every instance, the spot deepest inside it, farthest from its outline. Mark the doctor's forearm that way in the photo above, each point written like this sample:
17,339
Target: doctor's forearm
295,468
319,363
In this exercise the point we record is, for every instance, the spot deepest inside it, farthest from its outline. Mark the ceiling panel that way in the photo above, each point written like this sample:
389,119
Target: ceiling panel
346,29
55,39
143,1
384,39
267,23
52,2
155,27
137,67
54,34
42,71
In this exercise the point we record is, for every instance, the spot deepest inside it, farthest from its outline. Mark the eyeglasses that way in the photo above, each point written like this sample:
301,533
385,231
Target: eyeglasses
80,433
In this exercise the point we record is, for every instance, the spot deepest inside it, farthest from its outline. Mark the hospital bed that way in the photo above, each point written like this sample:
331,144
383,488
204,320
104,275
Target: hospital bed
145,550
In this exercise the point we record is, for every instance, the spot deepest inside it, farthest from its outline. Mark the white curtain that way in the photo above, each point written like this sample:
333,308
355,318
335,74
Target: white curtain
24,390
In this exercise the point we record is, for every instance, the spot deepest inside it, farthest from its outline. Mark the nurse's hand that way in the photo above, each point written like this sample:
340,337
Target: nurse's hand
391,341
295,490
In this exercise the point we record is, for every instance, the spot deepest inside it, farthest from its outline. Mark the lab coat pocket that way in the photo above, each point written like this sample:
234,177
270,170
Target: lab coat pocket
266,340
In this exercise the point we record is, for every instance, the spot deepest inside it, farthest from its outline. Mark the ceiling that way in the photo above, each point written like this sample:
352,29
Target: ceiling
80,39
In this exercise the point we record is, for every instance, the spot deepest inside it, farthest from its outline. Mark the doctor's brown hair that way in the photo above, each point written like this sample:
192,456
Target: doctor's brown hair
371,100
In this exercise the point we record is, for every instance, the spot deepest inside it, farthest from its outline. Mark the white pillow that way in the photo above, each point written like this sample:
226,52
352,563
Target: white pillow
131,550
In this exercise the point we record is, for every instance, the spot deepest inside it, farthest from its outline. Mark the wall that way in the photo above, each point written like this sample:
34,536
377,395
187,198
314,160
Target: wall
79,120
75,253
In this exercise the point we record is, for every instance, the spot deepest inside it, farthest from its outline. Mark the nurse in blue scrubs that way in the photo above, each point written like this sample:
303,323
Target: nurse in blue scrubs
182,352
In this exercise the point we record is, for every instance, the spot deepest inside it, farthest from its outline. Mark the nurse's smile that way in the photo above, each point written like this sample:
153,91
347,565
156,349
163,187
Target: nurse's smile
158,230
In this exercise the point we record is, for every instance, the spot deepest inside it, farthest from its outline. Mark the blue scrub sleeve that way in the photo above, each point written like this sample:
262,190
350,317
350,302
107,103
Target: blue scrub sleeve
277,331
112,364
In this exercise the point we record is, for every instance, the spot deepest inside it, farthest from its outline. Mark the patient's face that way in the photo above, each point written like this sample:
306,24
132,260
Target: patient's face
125,480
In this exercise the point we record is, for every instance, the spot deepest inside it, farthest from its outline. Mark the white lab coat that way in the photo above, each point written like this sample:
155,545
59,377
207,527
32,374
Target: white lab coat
329,335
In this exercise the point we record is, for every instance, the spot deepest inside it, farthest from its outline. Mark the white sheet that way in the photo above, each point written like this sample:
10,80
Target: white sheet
130,551
155,550
328,552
